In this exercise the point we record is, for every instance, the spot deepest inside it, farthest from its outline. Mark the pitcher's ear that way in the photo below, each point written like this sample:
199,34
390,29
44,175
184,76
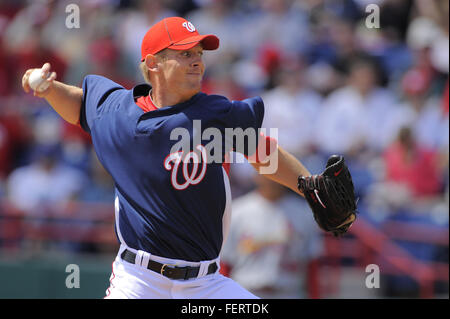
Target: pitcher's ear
151,62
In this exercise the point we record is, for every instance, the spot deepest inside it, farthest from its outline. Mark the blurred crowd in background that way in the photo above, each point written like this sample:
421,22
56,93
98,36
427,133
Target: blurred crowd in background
330,83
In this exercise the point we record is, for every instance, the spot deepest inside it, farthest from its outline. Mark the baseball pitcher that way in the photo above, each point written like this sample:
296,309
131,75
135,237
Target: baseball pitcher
172,193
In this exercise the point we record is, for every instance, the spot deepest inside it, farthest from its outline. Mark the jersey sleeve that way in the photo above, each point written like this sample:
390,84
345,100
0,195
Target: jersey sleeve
247,115
96,90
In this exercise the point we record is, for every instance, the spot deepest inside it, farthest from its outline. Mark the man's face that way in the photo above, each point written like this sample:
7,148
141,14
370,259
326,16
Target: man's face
183,70
363,78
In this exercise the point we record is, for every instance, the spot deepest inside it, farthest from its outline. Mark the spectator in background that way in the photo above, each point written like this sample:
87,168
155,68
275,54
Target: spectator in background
213,16
423,111
100,187
273,22
130,26
333,41
103,58
344,43
23,40
76,146
413,166
394,17
42,190
220,81
353,118
43,182
422,89
6,67
422,139
292,108
272,228
355,121
15,136
429,29
445,115
444,156
388,41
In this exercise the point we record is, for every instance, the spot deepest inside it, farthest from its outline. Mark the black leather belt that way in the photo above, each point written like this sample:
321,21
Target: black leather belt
175,272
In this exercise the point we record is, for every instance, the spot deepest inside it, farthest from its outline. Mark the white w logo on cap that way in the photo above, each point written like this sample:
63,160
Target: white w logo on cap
189,26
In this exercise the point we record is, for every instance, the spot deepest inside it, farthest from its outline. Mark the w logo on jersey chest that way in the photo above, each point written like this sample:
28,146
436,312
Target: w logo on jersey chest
191,177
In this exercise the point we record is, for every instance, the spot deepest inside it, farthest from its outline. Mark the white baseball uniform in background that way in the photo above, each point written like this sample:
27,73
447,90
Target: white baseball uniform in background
270,244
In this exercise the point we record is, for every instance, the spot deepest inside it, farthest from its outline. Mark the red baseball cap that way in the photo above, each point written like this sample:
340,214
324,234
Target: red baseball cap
177,34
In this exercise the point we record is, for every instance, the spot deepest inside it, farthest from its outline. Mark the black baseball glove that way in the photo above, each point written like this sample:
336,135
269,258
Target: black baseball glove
331,196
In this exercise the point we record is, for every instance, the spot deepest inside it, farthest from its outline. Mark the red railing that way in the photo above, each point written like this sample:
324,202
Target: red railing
367,244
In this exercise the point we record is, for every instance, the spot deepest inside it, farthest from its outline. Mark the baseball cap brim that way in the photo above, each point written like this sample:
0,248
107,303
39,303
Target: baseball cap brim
208,41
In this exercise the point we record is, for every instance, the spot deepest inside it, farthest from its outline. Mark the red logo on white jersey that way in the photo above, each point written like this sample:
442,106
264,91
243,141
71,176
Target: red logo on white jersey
173,161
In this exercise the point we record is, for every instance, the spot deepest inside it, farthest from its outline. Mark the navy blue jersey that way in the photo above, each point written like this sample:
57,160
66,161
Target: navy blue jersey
164,207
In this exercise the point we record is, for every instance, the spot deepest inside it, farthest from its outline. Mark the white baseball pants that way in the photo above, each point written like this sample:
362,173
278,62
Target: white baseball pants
131,281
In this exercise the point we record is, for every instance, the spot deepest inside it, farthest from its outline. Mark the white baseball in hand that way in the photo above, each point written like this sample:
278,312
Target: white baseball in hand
36,82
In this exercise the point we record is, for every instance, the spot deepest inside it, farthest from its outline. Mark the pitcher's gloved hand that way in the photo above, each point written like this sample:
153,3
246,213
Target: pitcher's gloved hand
331,196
